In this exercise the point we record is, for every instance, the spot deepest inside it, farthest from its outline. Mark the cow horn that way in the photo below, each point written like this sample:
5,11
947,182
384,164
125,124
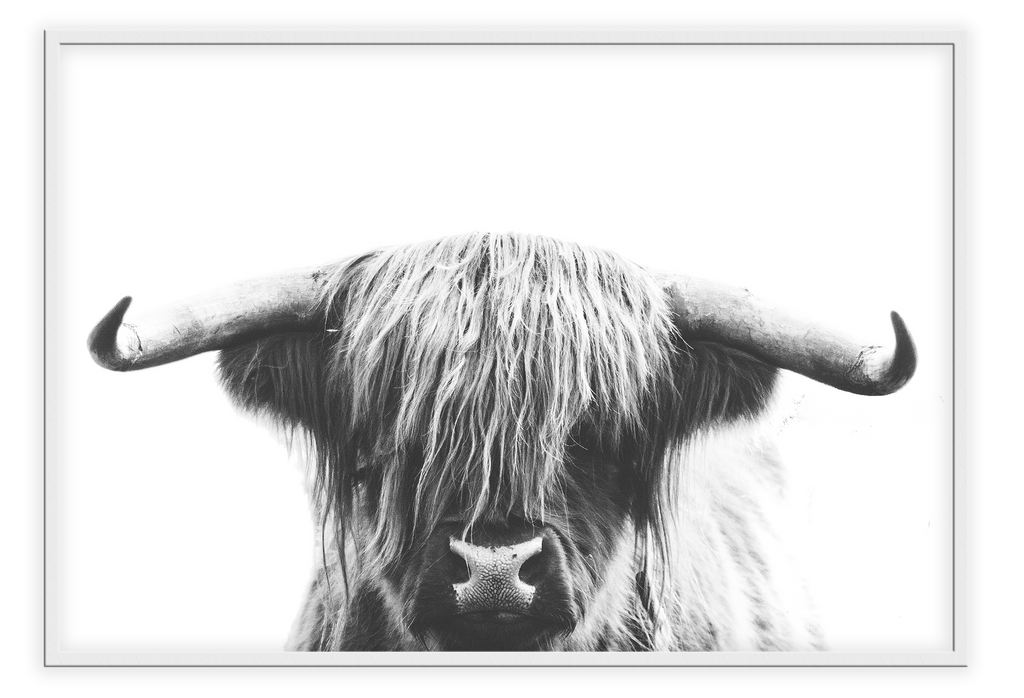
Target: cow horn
217,320
706,311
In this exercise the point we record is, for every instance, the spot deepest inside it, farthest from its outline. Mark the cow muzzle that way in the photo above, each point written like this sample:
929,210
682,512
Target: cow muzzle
494,584
498,588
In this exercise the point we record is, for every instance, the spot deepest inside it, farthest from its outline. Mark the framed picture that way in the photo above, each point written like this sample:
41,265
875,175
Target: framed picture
822,171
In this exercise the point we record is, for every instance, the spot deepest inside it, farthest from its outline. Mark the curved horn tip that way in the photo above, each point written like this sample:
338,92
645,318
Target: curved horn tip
103,338
901,366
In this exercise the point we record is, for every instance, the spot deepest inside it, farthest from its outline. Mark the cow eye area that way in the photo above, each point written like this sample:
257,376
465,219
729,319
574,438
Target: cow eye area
360,476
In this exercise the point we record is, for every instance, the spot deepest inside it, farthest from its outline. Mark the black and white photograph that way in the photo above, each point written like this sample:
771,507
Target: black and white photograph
521,348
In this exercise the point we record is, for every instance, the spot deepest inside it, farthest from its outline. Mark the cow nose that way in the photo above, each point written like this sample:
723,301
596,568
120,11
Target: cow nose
494,583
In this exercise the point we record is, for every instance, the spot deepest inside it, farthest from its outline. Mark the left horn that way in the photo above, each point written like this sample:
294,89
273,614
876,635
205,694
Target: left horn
217,320
732,316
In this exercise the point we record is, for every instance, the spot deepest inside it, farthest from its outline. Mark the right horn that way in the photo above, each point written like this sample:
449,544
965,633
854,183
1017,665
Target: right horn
707,311
217,320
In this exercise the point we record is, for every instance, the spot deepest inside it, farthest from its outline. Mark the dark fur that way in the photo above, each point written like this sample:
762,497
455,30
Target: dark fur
410,425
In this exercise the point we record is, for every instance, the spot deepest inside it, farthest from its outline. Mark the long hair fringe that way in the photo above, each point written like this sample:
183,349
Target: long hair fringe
466,365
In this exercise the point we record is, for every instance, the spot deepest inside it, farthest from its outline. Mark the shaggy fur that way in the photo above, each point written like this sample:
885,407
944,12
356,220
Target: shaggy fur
483,378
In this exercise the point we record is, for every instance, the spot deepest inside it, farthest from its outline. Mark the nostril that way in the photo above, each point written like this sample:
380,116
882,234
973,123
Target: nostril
459,567
532,570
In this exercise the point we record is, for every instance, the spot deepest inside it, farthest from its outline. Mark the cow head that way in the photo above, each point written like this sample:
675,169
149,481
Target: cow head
494,421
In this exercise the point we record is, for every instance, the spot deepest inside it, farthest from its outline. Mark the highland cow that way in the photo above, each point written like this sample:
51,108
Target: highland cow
505,434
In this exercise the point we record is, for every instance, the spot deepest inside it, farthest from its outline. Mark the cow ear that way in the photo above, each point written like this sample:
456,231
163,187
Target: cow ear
715,383
279,376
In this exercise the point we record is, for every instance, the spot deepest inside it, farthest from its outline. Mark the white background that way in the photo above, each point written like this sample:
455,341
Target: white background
815,176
